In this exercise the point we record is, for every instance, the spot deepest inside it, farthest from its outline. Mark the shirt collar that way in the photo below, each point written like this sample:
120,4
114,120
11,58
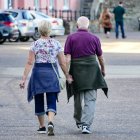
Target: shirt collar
83,30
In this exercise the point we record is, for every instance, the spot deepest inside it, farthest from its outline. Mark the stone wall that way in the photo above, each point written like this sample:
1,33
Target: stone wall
132,6
132,12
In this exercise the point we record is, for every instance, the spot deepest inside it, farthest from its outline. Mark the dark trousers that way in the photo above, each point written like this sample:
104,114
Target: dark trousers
106,30
39,103
121,25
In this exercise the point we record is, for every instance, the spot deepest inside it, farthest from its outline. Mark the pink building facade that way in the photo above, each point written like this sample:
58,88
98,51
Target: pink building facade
41,4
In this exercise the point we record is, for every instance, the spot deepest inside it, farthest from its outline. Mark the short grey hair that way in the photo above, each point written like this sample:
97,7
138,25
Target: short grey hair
44,28
83,22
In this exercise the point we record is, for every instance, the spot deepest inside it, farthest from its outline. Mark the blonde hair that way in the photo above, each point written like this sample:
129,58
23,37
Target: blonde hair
44,28
83,22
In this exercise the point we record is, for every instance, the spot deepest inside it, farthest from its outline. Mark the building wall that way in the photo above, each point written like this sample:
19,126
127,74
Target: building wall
59,4
28,3
2,4
75,4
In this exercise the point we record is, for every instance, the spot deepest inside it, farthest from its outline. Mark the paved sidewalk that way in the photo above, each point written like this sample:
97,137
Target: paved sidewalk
116,118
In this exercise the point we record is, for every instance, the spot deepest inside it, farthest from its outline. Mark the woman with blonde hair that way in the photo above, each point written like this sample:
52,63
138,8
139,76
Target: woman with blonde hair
105,19
43,54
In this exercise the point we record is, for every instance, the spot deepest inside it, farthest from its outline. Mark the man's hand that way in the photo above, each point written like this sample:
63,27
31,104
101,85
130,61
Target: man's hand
103,73
69,78
101,61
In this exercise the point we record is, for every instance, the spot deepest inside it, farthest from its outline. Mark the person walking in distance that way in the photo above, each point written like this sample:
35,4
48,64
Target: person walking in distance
81,50
105,19
119,12
43,54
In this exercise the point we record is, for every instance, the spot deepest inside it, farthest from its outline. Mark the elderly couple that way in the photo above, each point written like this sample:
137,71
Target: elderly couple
84,75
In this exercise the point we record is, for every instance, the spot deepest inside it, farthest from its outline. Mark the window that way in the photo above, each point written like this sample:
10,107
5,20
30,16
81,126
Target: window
10,4
14,14
27,15
66,4
51,4
36,3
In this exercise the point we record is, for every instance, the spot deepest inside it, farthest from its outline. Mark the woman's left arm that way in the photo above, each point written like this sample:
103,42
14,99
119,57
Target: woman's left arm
62,63
28,66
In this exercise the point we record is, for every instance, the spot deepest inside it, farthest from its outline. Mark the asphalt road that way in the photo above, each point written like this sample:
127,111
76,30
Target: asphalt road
116,118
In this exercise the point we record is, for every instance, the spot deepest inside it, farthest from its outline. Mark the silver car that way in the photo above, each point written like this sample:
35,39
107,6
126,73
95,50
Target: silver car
25,23
57,23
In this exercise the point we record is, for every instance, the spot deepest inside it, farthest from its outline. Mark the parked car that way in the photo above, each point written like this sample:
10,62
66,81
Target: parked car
25,23
57,23
8,28
3,34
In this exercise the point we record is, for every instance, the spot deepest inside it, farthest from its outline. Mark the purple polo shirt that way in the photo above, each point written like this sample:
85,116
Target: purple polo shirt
82,43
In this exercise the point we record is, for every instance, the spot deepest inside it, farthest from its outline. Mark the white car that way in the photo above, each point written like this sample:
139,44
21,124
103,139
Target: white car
57,24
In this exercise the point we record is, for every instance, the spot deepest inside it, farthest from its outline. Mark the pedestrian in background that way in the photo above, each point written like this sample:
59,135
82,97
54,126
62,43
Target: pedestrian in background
119,12
43,54
81,50
105,20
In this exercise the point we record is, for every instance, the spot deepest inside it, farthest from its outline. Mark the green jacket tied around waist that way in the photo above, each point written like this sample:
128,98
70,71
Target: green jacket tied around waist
87,75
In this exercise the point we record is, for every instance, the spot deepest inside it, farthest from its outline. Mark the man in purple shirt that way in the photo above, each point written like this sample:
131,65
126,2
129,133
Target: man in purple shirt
82,43
81,50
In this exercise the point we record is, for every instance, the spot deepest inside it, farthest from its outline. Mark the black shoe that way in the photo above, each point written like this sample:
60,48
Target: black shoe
42,130
124,37
79,126
50,129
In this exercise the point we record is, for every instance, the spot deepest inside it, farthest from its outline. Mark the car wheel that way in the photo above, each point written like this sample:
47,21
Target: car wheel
24,39
14,39
2,40
36,35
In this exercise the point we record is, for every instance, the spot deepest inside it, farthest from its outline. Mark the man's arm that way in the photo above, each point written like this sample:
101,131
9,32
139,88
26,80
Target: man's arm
101,62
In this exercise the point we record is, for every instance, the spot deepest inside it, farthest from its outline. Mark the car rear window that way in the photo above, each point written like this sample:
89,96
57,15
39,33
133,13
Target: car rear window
6,17
14,14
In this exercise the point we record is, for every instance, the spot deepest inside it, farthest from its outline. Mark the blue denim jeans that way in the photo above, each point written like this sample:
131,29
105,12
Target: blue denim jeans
40,106
121,24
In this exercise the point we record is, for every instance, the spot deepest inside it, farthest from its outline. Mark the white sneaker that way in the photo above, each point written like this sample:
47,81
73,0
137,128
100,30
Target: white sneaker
107,34
86,130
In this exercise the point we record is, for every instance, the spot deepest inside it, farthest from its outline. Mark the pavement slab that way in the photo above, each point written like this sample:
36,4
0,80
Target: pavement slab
116,118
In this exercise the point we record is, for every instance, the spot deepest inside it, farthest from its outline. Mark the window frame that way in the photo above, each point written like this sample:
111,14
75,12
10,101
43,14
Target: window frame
51,4
37,4
66,4
10,4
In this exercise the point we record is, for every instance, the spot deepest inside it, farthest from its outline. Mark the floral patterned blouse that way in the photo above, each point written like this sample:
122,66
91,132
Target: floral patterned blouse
46,50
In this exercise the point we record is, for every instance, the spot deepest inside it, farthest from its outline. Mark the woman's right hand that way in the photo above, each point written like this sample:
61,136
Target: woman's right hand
22,84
